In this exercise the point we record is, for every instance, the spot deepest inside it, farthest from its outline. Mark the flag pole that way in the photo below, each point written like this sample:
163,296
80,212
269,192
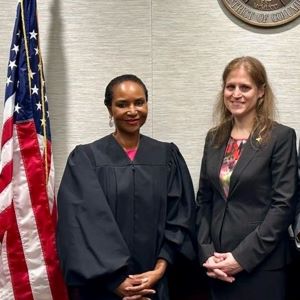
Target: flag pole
44,123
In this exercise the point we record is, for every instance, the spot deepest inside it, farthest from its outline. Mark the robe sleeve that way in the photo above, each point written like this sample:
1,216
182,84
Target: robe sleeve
204,211
90,244
179,228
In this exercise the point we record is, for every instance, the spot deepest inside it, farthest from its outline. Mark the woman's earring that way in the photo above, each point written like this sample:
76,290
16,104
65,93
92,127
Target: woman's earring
110,122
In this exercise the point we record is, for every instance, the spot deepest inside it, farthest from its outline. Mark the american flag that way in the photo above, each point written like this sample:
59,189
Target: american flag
29,267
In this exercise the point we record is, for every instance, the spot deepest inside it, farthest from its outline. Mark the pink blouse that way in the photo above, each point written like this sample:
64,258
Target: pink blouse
131,153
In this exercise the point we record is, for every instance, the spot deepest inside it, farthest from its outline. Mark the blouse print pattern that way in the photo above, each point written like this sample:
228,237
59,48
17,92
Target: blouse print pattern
232,154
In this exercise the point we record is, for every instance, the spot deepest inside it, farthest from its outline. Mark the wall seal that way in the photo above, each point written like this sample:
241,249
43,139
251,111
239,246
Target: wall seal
264,13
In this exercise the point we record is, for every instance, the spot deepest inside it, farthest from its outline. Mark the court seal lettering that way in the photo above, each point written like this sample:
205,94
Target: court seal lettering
264,13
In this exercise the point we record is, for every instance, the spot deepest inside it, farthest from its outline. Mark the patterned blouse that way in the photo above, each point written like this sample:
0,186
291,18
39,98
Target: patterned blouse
232,154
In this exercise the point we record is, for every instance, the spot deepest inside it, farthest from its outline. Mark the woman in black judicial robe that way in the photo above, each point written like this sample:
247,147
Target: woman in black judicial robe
125,206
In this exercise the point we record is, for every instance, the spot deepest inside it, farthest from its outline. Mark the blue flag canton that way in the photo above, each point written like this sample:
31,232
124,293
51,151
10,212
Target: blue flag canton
25,76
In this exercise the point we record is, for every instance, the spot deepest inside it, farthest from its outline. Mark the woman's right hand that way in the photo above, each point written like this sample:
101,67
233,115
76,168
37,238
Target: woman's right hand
134,289
143,284
214,271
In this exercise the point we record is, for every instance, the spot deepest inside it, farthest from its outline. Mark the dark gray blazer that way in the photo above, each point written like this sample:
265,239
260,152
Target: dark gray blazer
297,213
253,222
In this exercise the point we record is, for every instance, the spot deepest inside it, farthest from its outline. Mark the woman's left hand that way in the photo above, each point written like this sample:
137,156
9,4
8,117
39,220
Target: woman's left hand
150,278
227,263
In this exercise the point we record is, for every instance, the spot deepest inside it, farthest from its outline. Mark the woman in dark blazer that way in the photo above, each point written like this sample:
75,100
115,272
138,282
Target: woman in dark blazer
247,189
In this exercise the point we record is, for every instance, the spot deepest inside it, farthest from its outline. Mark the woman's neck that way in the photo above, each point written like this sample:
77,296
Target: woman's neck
242,128
127,141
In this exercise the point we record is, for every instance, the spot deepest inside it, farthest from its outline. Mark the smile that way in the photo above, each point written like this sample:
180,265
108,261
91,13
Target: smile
237,103
132,121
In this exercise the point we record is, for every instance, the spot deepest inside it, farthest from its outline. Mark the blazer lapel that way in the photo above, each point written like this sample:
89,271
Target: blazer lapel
217,156
248,153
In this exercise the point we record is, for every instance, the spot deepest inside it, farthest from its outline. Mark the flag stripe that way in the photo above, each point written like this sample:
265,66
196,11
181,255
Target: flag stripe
33,165
33,204
5,218
51,188
6,153
9,107
17,263
6,289
7,131
6,176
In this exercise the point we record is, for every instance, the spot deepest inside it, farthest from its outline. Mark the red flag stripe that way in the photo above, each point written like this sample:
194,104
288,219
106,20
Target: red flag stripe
6,176
5,218
7,131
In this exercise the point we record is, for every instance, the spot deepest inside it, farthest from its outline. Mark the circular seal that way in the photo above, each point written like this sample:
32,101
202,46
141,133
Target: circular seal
264,13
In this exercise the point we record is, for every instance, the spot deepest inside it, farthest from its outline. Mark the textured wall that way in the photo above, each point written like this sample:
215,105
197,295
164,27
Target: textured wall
178,47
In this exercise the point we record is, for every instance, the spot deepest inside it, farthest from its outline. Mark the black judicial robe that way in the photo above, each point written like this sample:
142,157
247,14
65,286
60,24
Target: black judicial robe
117,217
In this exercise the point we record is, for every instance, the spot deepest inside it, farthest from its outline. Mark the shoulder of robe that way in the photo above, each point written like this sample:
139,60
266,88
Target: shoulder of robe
89,150
156,143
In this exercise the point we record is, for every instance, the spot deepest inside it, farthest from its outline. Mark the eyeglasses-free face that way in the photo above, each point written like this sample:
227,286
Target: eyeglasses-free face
129,107
241,94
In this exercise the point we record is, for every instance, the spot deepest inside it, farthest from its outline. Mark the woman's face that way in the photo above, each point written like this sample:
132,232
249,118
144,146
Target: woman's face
241,94
129,107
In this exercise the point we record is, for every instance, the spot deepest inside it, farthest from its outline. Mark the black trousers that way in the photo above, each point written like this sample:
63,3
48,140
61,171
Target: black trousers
257,285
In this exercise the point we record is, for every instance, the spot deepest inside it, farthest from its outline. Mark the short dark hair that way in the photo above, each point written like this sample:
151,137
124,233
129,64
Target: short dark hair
116,81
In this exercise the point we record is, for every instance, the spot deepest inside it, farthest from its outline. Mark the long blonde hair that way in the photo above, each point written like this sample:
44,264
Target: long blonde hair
265,109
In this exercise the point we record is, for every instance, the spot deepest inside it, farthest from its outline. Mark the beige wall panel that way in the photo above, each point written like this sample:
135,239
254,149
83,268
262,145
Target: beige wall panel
85,44
192,42
178,47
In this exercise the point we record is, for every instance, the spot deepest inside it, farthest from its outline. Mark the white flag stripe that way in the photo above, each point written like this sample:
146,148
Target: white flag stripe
51,187
9,107
6,154
41,143
6,289
6,198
